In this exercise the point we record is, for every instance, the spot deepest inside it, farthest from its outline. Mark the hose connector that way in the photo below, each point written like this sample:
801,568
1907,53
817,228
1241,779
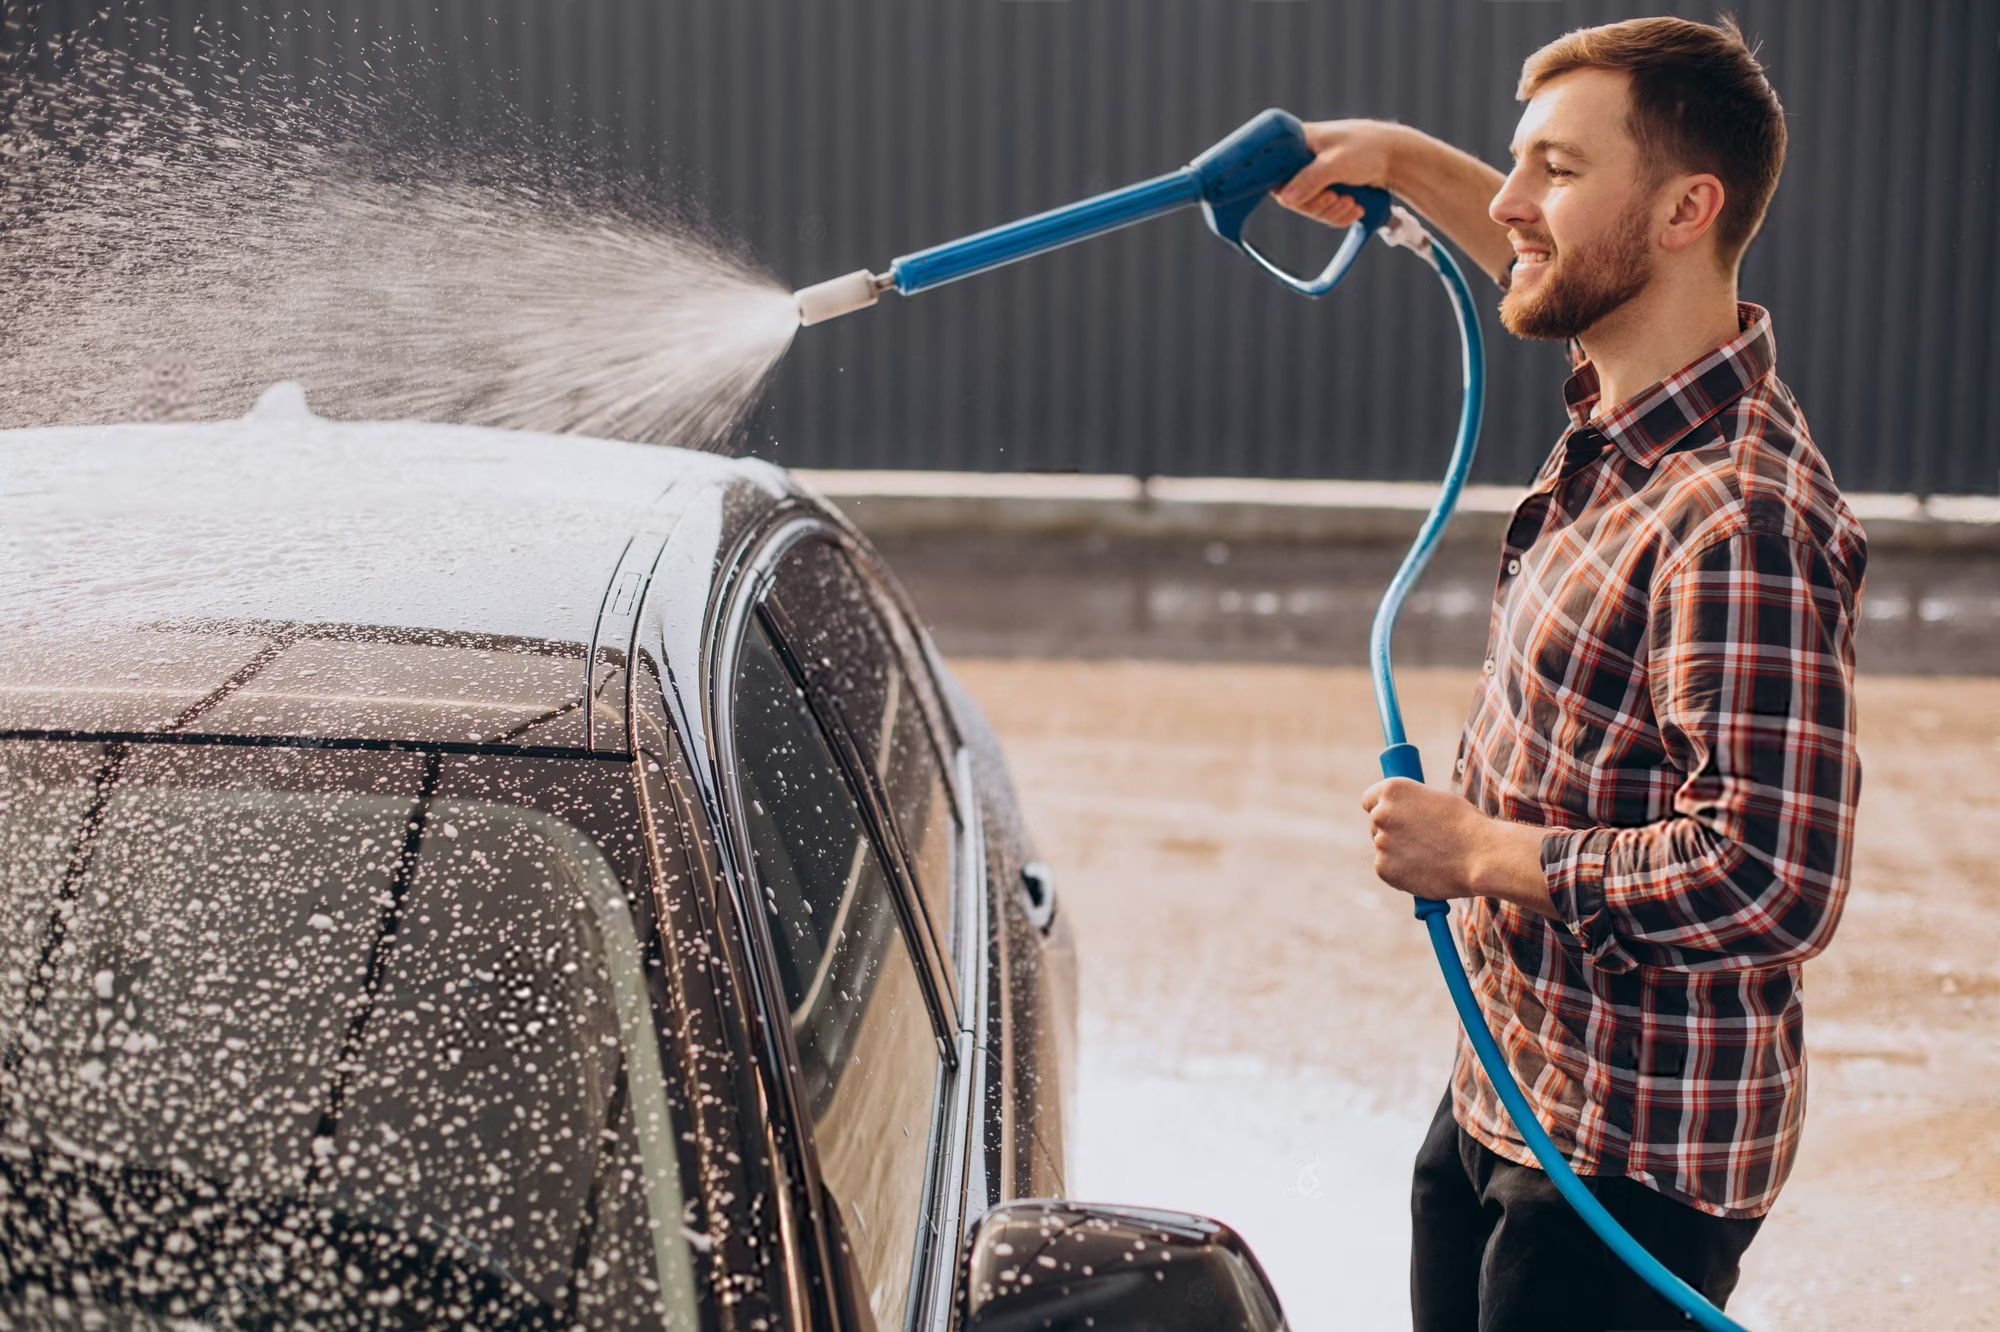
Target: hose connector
1405,230
841,295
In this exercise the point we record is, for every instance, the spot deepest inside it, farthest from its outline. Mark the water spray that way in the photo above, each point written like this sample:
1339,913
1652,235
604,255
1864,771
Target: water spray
1229,181
168,248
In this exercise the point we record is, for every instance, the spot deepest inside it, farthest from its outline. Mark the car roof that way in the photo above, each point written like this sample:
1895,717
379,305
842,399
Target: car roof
284,575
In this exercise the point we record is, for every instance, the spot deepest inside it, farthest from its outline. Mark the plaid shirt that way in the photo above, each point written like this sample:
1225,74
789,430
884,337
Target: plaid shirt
1669,690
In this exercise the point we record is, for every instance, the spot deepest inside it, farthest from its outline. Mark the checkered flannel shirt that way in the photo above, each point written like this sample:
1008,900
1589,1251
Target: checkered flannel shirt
1669,691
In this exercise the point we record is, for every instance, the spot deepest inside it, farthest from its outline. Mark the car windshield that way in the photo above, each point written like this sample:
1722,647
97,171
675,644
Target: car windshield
297,1037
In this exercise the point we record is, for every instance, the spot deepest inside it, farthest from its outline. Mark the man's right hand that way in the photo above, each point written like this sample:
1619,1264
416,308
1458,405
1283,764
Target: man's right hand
1348,152
1450,188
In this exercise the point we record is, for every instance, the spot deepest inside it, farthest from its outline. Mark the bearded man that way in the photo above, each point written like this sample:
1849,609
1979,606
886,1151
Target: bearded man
1654,815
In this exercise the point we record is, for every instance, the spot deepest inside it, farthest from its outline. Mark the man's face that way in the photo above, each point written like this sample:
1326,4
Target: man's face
1577,207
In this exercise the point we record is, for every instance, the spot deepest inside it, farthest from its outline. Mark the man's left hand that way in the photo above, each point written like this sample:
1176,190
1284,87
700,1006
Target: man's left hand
1433,843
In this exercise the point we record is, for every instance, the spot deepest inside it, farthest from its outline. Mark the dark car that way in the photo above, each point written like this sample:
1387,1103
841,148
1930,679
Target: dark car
456,878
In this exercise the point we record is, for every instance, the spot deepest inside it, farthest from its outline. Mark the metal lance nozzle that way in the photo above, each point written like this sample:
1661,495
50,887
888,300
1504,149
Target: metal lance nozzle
841,296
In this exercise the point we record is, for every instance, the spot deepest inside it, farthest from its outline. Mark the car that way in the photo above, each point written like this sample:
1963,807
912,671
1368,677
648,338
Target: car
452,877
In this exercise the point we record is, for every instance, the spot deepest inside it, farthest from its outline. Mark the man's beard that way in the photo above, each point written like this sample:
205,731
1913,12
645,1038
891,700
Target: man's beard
1583,284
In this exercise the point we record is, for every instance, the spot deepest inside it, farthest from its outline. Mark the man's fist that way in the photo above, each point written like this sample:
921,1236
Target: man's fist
1433,843
1348,152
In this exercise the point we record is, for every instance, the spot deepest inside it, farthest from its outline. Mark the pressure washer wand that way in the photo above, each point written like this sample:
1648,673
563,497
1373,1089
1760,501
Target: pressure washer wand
1228,181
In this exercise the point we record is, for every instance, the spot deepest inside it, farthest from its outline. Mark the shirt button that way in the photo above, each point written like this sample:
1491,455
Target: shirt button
1460,769
1487,666
1513,567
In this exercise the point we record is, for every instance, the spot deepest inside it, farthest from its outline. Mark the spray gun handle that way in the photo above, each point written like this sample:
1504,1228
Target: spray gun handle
1238,174
1375,211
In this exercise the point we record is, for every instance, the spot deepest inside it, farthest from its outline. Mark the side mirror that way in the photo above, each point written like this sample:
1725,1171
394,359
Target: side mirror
1041,1266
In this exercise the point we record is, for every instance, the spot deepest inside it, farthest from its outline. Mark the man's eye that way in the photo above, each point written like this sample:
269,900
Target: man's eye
1560,171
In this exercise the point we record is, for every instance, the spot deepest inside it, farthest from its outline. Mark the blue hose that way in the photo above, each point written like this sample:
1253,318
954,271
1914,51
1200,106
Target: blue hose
1400,759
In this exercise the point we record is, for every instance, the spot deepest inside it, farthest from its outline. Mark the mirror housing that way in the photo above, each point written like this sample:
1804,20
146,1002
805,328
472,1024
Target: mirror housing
1043,1265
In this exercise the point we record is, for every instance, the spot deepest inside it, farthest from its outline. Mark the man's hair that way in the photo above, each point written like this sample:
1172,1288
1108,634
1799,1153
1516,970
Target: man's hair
1700,102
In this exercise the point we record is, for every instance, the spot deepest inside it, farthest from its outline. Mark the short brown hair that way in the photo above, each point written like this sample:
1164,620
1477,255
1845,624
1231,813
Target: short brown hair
1700,102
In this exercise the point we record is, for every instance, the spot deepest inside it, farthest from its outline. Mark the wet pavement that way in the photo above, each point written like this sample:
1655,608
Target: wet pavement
1924,612
1264,1033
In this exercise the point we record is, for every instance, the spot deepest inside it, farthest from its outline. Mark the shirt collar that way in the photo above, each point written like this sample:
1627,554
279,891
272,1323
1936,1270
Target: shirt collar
1653,421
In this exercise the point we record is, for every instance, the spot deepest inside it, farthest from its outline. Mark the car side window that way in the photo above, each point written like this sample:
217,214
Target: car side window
868,1053
832,620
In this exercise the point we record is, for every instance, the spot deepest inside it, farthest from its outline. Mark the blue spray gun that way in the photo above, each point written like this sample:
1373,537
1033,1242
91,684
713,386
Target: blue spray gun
1229,181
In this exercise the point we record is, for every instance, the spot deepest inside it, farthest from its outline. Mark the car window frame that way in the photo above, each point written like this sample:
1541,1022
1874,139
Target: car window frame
934,936
956,1097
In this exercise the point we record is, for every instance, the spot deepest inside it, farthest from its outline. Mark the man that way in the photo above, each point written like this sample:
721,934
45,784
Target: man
1656,787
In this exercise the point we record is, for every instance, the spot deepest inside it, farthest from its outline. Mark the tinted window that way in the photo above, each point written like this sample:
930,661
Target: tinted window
347,1040
868,1053
834,623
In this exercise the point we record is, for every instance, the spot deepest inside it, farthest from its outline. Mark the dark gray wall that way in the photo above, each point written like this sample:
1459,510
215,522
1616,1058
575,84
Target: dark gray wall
835,134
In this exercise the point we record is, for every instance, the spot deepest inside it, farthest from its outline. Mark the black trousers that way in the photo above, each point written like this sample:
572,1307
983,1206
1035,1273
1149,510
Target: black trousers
1497,1249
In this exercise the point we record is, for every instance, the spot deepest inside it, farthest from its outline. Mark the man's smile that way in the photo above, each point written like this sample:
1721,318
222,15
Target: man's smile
1527,254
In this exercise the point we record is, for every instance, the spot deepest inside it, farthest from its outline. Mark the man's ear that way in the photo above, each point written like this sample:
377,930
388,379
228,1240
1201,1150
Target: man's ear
1697,204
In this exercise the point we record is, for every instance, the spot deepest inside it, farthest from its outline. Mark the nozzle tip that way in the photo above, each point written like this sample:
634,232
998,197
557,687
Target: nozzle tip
840,296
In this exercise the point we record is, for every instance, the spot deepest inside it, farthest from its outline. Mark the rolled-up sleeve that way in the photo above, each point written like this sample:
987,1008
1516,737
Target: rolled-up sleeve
1751,671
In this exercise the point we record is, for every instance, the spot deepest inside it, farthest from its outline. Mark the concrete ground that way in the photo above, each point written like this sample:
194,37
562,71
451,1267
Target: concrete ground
1264,1032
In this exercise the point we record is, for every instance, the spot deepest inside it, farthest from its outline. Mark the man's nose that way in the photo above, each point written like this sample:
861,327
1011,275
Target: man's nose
1511,207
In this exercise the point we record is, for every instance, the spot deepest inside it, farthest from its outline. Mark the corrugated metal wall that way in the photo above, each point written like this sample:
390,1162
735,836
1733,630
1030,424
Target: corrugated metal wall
835,134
